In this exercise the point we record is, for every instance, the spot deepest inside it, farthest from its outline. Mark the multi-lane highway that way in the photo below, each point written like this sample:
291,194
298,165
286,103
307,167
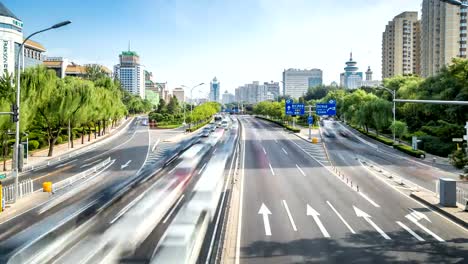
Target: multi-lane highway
296,209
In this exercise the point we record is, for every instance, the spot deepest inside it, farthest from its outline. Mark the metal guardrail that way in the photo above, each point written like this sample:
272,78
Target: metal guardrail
461,195
69,181
25,187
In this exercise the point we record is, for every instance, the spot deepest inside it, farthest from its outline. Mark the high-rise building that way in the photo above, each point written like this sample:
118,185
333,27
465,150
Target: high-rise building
179,93
273,88
11,35
228,98
214,90
443,35
400,46
130,73
253,93
351,78
296,82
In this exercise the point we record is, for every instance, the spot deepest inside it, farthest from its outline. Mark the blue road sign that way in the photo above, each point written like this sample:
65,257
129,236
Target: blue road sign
321,109
294,109
310,120
328,108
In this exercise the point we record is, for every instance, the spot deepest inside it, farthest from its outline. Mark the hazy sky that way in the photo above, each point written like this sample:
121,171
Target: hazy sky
238,41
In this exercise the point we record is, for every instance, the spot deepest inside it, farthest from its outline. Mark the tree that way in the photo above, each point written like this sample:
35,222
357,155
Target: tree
400,129
173,106
95,72
162,106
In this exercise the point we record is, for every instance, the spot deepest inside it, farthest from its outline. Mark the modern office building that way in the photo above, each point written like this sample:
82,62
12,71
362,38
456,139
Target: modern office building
296,82
11,35
273,88
179,93
228,98
33,54
401,46
214,90
351,78
130,73
443,35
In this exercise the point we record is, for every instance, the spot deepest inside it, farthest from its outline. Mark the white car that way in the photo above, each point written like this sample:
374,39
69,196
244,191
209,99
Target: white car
225,124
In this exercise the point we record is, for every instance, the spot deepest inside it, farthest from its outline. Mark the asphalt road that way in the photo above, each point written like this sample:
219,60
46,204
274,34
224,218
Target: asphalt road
295,210
129,152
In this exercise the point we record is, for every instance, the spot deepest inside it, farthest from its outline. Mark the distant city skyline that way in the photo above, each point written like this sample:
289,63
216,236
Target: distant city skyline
180,44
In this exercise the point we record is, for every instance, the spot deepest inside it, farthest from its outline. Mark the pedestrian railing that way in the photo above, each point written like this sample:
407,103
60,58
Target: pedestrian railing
71,180
25,187
461,195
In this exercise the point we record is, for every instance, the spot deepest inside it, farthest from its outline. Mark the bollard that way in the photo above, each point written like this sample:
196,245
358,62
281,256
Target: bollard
47,187
351,184
346,180
357,188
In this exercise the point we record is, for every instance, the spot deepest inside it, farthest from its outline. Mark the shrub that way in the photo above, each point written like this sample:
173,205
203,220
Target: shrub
459,159
436,146
33,144
409,150
290,128
59,140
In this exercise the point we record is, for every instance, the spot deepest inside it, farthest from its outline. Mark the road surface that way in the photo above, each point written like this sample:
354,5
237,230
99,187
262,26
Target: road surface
296,210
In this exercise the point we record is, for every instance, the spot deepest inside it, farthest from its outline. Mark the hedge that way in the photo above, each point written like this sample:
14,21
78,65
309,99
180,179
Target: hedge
33,144
409,150
168,126
384,140
194,128
290,128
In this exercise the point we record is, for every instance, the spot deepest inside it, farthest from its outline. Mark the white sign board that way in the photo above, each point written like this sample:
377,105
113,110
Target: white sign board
457,139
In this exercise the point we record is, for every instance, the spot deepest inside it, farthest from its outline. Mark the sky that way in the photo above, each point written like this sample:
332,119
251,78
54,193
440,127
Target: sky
186,42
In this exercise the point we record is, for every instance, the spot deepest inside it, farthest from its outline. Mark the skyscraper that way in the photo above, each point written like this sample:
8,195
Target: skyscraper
130,73
296,82
214,90
351,78
400,46
443,35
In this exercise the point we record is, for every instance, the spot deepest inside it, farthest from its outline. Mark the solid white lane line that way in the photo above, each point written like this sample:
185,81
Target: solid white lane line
382,233
214,151
415,221
173,209
369,200
410,231
66,163
341,218
299,168
315,215
285,152
271,168
264,151
201,170
241,199
155,144
289,215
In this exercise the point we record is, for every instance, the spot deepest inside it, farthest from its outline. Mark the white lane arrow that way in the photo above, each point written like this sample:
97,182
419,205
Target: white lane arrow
360,213
315,215
414,218
418,215
125,165
266,222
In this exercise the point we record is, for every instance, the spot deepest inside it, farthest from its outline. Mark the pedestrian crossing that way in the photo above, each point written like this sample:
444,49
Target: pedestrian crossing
316,151
327,220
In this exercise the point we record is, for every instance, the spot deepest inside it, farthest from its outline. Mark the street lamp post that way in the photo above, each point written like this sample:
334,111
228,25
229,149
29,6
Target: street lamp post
191,97
393,92
18,93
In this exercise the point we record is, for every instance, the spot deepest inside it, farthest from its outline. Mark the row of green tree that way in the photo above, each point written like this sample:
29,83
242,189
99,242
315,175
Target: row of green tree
50,104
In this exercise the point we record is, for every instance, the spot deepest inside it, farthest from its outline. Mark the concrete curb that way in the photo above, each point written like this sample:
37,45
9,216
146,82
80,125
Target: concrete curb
440,211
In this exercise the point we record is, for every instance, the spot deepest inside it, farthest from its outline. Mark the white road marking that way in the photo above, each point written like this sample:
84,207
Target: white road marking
125,165
410,231
89,164
173,209
341,218
285,152
266,222
276,141
415,221
299,168
360,213
264,151
155,144
241,201
271,168
369,200
201,170
214,151
315,215
289,215
66,163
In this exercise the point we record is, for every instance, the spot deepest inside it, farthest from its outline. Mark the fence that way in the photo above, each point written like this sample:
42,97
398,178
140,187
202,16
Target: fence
25,187
462,193
69,181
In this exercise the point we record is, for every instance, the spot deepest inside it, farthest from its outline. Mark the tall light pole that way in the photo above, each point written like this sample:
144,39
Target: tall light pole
191,96
393,92
18,98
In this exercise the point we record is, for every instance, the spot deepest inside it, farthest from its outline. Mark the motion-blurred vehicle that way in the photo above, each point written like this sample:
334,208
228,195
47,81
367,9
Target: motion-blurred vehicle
329,134
213,128
344,133
206,132
225,124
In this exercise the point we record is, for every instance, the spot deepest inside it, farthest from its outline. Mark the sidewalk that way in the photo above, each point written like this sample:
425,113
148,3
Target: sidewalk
315,133
23,205
456,214
40,156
